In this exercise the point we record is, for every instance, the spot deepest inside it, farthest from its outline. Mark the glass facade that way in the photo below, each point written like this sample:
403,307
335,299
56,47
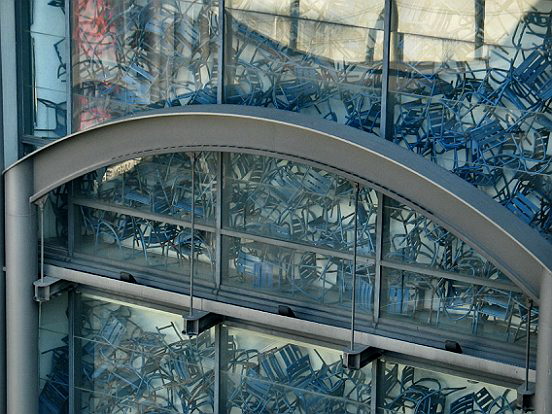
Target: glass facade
286,236
128,56
127,358
466,85
469,89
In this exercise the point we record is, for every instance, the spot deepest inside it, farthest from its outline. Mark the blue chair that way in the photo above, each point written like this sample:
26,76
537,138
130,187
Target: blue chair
261,270
522,207
495,304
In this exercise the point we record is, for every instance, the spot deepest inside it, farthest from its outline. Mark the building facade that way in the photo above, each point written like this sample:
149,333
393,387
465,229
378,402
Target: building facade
298,206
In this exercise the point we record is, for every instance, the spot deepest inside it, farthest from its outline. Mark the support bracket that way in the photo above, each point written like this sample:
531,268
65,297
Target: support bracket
360,357
199,322
49,287
526,397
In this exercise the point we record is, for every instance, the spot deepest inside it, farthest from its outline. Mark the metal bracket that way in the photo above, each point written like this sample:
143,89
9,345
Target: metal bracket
525,400
360,357
47,288
199,322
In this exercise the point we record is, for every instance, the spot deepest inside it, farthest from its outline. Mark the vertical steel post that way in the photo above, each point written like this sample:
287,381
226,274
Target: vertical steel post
2,274
479,27
543,390
378,252
75,345
218,355
221,53
386,121
9,79
528,345
3,136
192,241
355,242
378,382
218,222
21,310
68,67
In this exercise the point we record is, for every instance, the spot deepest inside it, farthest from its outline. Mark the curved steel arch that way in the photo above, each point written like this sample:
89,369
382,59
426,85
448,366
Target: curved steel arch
517,249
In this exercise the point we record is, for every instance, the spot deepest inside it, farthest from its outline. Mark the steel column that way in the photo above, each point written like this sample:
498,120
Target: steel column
21,310
543,391
220,53
2,274
8,50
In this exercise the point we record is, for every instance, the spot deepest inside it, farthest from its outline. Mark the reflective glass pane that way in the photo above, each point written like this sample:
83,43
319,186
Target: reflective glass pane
56,218
54,355
131,56
138,243
298,57
47,90
409,237
412,389
135,358
290,201
270,374
471,91
456,306
159,184
296,275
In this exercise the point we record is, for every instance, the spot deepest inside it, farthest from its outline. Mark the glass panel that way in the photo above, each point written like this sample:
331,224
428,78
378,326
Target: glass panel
56,218
50,112
436,392
301,276
456,306
471,91
300,64
262,373
159,184
409,237
135,358
352,13
130,56
134,242
48,54
54,355
291,201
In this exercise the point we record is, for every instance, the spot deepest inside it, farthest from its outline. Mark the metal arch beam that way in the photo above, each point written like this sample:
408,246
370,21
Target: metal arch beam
512,245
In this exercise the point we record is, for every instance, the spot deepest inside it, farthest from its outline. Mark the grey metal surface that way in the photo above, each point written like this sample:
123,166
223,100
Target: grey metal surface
8,49
300,327
21,310
543,391
518,250
2,261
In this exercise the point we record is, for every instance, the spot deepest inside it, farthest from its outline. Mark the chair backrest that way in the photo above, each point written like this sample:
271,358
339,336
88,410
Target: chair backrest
484,399
407,378
463,405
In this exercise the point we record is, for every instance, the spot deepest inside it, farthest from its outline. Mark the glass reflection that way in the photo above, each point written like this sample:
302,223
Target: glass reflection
457,306
303,276
471,91
409,237
159,184
53,346
430,391
143,243
262,373
48,56
135,358
304,65
291,201
130,56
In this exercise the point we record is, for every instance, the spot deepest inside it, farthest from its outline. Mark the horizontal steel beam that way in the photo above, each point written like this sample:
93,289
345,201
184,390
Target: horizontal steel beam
301,327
